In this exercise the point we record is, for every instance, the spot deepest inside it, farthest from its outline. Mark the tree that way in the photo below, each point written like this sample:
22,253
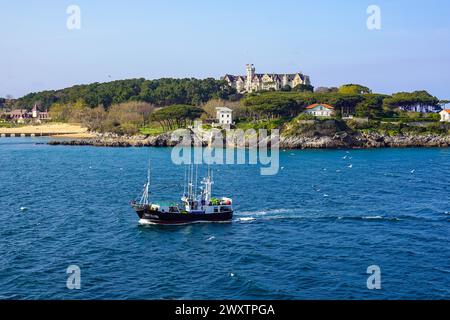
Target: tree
176,116
70,112
127,118
143,108
443,103
345,104
271,106
210,108
304,88
59,112
326,90
371,106
354,89
94,119
411,101
9,101
77,111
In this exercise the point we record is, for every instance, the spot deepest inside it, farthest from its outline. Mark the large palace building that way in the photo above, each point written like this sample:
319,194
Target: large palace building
265,81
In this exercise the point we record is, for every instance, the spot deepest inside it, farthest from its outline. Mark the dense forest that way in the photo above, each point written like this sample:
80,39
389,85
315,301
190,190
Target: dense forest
161,92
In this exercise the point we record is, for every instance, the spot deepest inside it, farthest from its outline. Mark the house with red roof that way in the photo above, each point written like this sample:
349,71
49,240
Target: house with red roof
445,115
320,110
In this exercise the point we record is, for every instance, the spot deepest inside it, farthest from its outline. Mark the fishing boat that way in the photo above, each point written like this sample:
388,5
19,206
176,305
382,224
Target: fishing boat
195,206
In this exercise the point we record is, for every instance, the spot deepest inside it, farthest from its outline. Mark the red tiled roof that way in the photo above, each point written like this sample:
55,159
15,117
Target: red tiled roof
320,104
446,110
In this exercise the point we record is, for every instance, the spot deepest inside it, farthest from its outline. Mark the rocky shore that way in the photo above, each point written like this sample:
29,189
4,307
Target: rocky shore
337,141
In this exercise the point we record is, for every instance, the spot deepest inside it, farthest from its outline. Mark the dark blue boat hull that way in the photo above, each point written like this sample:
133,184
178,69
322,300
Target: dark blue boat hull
158,217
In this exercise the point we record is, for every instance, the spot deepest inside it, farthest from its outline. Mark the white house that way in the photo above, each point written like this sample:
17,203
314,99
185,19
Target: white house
224,115
320,110
445,115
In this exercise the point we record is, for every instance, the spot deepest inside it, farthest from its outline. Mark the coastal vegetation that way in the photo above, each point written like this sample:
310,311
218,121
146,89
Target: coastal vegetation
122,118
152,107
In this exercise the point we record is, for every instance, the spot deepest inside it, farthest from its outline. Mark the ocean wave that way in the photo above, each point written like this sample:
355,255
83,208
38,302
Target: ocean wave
372,218
269,211
384,218
144,222
287,214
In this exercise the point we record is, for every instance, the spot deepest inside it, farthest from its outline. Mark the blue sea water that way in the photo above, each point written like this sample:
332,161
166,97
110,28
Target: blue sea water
309,232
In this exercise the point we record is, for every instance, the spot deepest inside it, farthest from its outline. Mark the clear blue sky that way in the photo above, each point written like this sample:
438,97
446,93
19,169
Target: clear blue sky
328,40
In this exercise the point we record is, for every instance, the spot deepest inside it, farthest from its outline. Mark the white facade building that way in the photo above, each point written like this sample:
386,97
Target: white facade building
224,116
253,81
445,115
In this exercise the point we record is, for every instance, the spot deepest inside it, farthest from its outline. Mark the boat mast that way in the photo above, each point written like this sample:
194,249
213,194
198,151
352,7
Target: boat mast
191,184
195,181
207,182
145,194
185,181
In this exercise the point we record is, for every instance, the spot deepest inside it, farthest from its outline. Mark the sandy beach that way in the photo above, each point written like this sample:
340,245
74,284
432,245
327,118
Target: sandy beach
63,130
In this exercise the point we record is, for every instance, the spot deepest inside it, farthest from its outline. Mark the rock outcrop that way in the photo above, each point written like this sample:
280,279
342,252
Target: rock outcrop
337,141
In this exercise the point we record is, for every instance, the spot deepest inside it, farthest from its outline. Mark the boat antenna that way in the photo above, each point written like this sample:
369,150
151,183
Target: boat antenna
185,179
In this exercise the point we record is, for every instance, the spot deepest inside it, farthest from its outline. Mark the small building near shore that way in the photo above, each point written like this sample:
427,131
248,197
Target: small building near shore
445,115
320,110
224,116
